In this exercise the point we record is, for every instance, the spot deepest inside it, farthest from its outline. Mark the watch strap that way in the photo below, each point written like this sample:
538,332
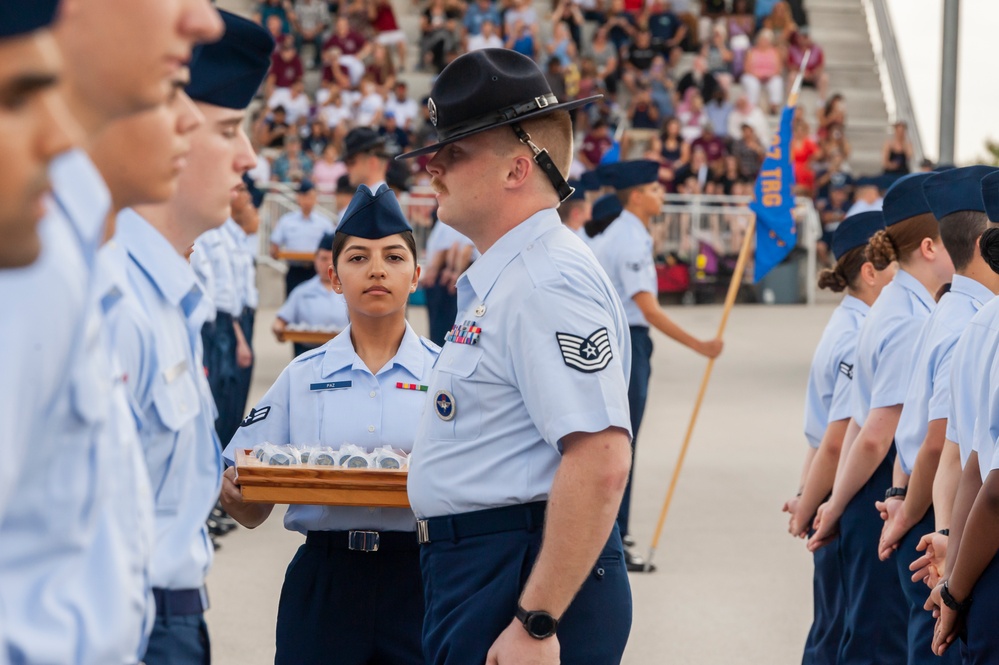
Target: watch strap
530,620
895,491
952,602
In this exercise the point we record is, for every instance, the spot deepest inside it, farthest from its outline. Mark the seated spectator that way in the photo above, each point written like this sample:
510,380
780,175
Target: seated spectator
620,25
718,57
697,170
833,112
749,152
595,144
315,137
691,115
834,140
662,88
351,46
568,13
712,145
815,71
762,10
643,119
740,21
396,138
278,8
832,212
561,47
719,109
337,115
745,113
668,30
327,170
439,37
764,68
803,153
487,38
274,128
604,54
381,69
293,100
292,165
781,23
675,151
730,176
698,77
371,105
286,66
334,71
309,22
274,28
479,12
404,109
387,30
637,58
835,173
520,38
897,151
555,76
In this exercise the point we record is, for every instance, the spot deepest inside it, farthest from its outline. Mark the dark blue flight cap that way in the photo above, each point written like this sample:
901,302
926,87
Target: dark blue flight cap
623,175
18,17
305,186
990,195
591,181
867,181
578,191
905,199
855,231
607,206
229,72
955,190
373,216
326,242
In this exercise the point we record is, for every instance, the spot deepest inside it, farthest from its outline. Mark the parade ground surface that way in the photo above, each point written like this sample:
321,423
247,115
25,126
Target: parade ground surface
732,586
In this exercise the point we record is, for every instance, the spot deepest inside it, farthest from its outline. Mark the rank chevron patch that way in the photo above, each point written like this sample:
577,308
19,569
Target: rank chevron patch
586,354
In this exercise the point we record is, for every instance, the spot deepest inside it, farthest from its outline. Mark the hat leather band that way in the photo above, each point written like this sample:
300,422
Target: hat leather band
544,160
507,114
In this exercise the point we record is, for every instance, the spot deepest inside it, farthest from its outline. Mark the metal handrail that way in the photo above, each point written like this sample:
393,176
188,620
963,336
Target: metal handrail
894,87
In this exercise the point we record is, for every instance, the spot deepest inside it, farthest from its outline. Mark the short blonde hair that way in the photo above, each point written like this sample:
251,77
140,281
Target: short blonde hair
551,132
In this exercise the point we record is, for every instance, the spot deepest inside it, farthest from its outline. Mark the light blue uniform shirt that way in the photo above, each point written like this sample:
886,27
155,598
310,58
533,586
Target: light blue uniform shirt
887,343
74,542
442,238
157,332
830,379
312,303
551,357
371,412
295,232
243,263
928,397
214,262
973,355
625,252
986,429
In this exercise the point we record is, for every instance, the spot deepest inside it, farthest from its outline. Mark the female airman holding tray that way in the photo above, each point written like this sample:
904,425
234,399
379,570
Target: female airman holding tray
359,569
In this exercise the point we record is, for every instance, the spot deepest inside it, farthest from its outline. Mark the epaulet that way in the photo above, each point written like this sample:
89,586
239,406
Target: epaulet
430,345
308,355
540,264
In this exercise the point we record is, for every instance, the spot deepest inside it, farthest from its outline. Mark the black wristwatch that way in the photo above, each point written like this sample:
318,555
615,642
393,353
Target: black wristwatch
944,532
950,601
895,491
539,624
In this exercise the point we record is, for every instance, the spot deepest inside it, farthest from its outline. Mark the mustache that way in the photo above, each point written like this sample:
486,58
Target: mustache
438,186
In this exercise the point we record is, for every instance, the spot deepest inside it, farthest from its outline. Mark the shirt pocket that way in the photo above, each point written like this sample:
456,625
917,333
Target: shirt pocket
175,399
456,406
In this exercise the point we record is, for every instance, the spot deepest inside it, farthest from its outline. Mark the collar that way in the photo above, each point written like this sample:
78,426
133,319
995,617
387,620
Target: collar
914,286
80,192
165,268
340,353
482,275
110,279
855,303
974,290
235,230
631,220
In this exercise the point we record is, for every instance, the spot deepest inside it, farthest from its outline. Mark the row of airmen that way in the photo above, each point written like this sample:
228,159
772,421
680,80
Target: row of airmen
897,498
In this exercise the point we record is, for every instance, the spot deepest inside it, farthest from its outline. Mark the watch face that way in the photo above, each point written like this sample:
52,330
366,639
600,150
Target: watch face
541,624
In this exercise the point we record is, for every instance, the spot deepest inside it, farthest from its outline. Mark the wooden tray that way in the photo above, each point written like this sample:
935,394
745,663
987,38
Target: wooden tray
319,485
308,336
304,257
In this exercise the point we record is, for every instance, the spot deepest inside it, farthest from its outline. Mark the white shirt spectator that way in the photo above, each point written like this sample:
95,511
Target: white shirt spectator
333,114
405,111
755,119
261,173
369,108
525,14
478,42
296,106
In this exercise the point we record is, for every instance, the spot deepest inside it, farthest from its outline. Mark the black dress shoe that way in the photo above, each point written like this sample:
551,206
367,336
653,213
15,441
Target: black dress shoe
635,563
627,541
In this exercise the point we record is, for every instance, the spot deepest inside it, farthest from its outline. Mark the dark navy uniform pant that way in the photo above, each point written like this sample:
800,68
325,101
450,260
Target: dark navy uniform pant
442,310
921,623
297,273
179,636
219,340
983,638
300,348
344,607
876,618
638,394
473,586
822,645
244,375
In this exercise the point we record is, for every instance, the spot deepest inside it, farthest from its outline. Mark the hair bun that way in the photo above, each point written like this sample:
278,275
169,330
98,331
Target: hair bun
833,280
881,250
989,247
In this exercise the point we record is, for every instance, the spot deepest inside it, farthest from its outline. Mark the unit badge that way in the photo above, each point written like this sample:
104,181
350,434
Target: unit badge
444,405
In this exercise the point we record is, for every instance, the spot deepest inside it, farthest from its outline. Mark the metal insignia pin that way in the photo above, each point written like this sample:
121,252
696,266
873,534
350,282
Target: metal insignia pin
480,310
432,107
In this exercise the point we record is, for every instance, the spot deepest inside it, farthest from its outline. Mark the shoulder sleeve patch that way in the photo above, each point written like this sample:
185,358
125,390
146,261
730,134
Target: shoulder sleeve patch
846,370
255,416
586,354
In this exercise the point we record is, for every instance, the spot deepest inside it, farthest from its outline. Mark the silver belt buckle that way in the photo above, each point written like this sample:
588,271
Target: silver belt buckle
363,541
422,532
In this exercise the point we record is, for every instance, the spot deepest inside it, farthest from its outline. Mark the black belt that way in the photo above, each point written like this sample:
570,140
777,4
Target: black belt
178,602
519,517
363,541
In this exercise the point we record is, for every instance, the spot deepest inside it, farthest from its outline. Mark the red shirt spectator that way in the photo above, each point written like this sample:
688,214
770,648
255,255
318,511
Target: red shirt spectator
594,145
345,39
384,20
708,141
286,66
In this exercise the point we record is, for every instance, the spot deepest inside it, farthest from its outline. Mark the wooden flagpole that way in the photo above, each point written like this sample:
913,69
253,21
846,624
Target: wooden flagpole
733,291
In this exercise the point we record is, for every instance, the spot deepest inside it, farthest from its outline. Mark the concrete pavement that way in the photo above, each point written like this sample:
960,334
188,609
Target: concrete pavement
732,586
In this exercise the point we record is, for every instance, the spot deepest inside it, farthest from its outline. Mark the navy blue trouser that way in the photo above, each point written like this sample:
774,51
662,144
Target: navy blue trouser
983,638
442,310
822,645
179,640
244,375
473,584
300,348
638,394
342,607
297,273
921,623
874,625
219,339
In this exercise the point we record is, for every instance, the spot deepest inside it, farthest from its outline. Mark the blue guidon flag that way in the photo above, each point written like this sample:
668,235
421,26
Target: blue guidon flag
773,202
586,354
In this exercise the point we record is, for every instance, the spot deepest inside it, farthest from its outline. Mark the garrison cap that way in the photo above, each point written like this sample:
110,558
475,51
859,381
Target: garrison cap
578,191
305,186
855,231
326,242
373,216
228,72
19,17
623,175
904,200
955,190
990,195
607,206
590,181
